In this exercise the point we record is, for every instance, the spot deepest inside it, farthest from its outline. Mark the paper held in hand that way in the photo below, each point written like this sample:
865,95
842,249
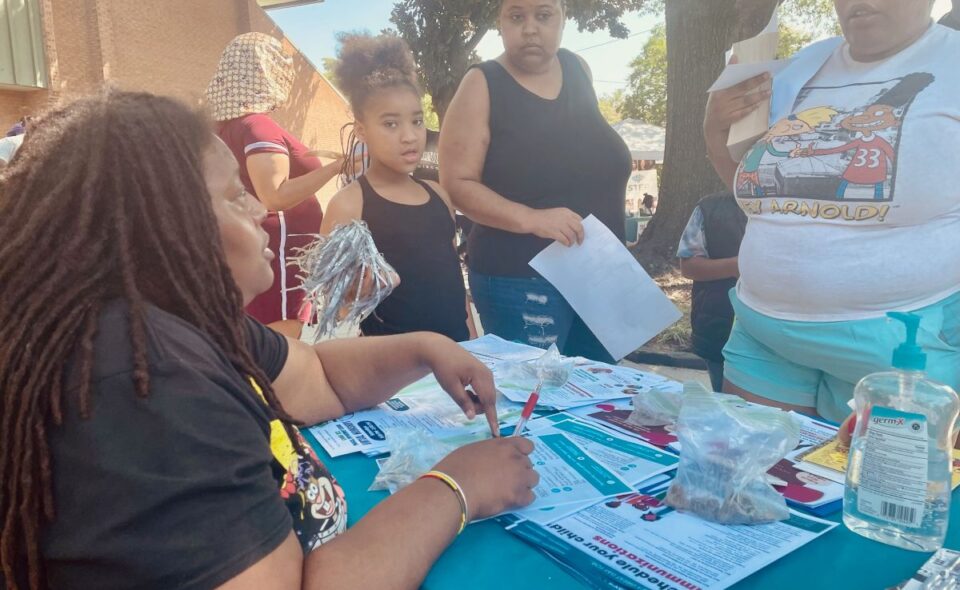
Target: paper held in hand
608,288
759,50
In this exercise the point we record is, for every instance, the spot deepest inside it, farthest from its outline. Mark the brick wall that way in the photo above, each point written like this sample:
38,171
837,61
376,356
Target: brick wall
169,47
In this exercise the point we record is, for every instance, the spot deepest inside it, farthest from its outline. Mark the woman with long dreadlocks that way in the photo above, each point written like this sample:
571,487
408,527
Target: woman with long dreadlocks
146,423
253,79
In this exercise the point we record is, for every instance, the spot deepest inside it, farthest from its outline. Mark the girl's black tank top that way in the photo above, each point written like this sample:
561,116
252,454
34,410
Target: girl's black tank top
417,240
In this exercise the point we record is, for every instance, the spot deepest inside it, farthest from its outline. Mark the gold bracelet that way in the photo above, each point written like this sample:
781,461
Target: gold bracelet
453,485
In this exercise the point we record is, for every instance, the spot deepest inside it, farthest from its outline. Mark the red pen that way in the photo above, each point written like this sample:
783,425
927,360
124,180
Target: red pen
528,409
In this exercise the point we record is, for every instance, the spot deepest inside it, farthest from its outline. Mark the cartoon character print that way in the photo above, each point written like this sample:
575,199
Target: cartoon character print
316,502
802,123
834,152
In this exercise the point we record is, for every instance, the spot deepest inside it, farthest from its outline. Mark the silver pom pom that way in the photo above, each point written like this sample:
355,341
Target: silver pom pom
344,276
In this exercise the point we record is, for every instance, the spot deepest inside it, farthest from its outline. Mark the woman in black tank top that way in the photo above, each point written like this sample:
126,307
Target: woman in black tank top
410,220
526,154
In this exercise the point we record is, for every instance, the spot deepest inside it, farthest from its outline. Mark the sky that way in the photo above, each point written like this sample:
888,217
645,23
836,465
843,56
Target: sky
313,28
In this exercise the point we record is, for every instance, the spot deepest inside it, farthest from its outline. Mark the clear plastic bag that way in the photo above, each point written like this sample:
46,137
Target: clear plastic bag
549,368
412,453
655,408
659,407
726,451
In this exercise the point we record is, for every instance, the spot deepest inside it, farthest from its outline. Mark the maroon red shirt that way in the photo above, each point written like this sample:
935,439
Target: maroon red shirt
288,230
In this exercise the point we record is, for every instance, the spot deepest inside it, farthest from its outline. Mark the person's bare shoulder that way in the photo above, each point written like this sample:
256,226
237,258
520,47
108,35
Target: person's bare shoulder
344,207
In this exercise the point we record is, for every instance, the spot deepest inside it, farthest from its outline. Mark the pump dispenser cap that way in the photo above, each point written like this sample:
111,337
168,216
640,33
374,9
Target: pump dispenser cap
909,356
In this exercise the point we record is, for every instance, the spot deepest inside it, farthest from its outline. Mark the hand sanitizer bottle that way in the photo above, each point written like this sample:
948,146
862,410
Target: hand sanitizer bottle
898,477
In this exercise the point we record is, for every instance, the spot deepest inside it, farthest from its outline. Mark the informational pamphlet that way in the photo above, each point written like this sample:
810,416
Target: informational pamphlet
633,460
615,414
635,541
569,474
423,405
801,488
588,382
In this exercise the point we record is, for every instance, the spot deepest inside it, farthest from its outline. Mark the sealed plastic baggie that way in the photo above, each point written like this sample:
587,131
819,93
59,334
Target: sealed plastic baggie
656,407
412,453
660,407
549,370
726,451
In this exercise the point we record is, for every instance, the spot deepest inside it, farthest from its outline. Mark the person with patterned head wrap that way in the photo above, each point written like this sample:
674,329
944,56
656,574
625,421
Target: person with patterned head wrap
253,79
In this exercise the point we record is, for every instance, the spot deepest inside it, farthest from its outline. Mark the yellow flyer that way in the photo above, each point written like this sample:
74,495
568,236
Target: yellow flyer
830,460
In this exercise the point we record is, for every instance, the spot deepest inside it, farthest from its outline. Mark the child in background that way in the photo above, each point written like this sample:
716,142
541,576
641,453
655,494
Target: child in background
708,255
411,220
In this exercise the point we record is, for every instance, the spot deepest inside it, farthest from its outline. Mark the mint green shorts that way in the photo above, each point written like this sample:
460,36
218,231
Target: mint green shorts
817,364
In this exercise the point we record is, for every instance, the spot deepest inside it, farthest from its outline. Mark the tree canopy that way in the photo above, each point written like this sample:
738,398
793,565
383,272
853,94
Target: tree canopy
646,95
444,34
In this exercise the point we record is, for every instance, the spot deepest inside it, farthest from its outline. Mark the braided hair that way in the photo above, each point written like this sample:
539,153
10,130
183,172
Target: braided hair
105,200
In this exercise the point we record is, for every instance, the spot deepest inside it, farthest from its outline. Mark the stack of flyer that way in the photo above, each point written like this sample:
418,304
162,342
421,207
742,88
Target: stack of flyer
636,541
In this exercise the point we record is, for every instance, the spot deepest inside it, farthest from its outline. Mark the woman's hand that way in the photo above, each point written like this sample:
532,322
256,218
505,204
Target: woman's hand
456,369
391,281
369,282
845,434
724,108
560,224
496,475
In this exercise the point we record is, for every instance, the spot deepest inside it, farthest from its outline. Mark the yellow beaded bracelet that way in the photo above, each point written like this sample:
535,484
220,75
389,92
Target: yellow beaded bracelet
453,485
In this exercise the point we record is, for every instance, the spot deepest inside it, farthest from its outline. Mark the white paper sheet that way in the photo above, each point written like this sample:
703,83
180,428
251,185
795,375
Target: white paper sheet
608,288
733,74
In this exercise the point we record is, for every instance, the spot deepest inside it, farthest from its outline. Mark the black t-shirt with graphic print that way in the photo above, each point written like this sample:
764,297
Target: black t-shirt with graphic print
187,487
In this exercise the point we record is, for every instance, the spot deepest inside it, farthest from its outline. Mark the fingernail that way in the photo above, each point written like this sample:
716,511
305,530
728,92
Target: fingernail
851,425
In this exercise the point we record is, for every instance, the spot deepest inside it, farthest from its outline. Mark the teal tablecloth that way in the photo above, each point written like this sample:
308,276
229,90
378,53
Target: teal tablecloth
487,557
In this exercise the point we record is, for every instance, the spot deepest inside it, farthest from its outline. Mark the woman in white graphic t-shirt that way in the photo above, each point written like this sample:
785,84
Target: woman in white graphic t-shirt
853,200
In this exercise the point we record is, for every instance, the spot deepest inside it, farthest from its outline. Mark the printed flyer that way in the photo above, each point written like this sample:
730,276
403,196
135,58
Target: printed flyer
635,541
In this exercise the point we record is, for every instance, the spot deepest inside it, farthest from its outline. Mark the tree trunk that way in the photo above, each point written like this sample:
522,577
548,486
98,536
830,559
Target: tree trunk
698,34
442,100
